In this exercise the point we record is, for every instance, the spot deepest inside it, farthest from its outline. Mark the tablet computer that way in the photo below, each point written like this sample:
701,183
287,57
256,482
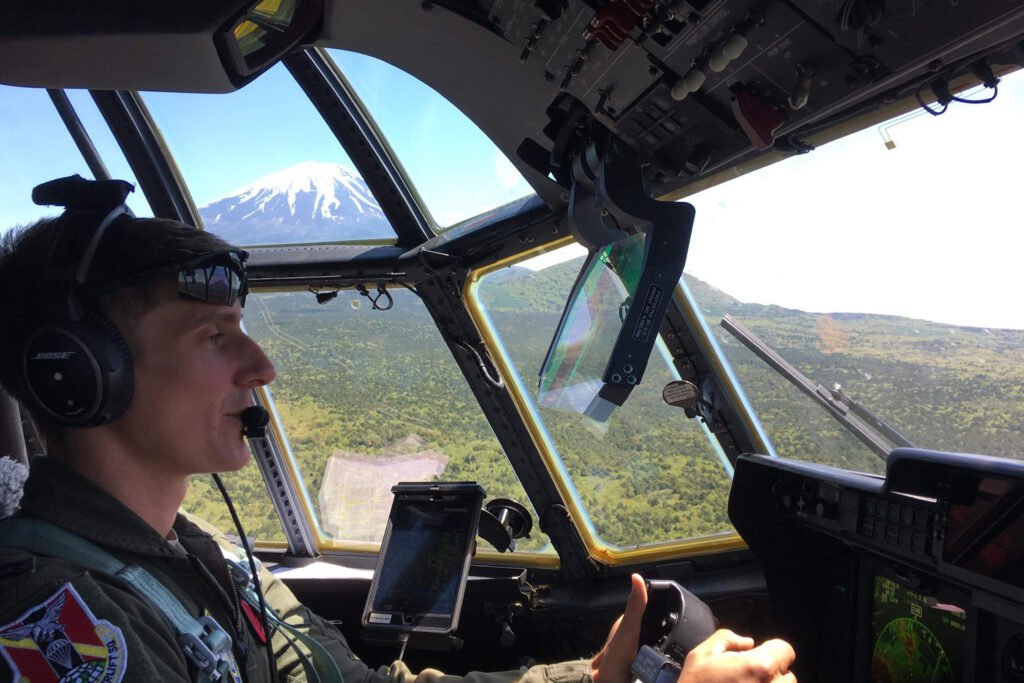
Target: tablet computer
425,556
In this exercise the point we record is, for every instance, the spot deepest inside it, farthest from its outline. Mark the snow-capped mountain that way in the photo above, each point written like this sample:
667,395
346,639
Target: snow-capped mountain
308,202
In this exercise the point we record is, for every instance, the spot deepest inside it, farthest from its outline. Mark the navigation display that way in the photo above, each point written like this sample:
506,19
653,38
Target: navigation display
916,637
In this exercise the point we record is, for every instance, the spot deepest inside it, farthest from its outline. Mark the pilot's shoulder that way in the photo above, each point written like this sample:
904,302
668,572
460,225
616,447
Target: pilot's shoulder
189,526
188,523
22,574
51,598
26,577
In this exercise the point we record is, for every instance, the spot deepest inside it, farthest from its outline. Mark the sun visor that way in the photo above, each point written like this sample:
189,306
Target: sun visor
186,45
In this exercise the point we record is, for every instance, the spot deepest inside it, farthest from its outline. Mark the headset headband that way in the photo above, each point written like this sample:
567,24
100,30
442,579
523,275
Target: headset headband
80,196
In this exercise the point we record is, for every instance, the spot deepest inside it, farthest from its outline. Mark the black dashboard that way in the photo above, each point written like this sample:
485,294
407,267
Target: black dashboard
917,576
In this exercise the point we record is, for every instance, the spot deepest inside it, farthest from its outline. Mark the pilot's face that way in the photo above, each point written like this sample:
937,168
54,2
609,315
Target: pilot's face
194,372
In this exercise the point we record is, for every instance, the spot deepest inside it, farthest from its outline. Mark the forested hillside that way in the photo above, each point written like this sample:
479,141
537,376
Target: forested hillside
358,380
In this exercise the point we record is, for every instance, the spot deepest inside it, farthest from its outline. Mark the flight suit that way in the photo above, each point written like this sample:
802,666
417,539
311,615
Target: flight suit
57,616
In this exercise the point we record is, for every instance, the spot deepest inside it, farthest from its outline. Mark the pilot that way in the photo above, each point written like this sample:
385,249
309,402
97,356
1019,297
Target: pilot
123,337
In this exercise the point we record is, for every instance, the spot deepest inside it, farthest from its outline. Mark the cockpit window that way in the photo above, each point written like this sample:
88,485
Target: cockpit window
886,268
455,169
264,168
644,476
369,398
37,147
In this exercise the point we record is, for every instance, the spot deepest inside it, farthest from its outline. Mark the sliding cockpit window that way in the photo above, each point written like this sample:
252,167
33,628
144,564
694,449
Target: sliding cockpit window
885,277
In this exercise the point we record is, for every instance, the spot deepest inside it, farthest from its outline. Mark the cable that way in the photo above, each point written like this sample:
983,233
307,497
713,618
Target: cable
494,380
920,101
995,93
271,660
403,638
940,88
382,291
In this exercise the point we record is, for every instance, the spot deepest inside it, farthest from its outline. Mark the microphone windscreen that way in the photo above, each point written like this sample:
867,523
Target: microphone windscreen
254,422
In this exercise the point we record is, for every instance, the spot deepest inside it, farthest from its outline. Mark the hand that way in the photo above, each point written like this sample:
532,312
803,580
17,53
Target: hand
611,664
728,658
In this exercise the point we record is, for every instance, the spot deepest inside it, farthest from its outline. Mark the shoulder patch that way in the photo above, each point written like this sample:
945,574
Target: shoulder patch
60,640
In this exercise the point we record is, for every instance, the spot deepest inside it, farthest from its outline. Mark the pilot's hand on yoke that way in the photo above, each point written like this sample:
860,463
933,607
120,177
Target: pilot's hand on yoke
728,658
723,658
611,664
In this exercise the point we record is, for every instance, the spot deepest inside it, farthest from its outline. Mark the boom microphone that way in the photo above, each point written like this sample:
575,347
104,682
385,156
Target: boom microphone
254,422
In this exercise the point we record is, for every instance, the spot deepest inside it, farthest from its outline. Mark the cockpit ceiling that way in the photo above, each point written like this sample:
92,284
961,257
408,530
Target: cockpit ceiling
692,87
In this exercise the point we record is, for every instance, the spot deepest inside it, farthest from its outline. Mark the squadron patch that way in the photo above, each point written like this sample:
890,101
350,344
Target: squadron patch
59,640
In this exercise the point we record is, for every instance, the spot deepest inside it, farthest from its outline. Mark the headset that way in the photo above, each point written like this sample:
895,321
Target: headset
77,367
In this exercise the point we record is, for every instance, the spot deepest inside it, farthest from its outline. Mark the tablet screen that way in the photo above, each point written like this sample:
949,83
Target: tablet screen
424,561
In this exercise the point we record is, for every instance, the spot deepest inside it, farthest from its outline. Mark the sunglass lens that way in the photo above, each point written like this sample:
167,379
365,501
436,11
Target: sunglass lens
216,284
220,289
213,284
192,283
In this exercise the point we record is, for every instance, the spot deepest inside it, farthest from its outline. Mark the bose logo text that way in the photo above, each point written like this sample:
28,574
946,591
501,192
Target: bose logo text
53,355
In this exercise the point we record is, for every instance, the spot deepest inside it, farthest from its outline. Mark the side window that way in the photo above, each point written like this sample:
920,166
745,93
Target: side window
646,475
369,398
37,147
881,277
248,494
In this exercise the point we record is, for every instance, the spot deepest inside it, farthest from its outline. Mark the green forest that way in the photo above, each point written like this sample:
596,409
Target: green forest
357,380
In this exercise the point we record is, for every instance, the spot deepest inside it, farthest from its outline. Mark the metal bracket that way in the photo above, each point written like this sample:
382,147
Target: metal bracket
608,203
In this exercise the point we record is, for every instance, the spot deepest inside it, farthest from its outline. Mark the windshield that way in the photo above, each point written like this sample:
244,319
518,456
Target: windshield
881,267
886,263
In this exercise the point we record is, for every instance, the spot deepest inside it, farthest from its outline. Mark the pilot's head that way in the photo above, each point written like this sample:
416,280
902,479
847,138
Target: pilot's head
135,332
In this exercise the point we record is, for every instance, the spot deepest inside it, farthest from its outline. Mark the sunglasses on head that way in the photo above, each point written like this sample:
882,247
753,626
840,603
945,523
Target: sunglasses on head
217,278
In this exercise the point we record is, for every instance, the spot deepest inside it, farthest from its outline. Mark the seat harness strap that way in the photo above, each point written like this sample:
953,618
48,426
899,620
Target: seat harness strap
205,643
326,670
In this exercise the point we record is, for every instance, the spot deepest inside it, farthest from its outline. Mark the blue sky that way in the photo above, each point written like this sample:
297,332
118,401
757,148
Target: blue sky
222,142
929,229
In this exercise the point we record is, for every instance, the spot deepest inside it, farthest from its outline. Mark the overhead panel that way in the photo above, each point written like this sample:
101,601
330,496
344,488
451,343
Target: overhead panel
693,86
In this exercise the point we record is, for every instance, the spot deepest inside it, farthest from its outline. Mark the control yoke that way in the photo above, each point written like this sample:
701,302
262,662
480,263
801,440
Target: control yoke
675,621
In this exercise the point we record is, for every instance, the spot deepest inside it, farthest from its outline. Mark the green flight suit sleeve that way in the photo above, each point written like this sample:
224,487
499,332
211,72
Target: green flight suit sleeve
353,670
567,672
290,664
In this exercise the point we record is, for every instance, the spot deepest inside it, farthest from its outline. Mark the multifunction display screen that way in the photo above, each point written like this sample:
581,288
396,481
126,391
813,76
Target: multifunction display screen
916,637
984,533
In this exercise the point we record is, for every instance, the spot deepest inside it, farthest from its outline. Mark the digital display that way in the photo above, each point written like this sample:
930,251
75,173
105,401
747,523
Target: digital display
984,534
421,571
916,637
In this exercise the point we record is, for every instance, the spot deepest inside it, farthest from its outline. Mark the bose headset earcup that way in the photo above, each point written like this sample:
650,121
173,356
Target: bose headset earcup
79,373
77,368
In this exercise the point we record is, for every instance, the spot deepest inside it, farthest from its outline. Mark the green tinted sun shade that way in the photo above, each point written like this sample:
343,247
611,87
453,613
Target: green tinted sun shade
571,376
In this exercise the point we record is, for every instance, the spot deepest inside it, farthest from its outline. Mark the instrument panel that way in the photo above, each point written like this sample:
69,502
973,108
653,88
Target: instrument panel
915,576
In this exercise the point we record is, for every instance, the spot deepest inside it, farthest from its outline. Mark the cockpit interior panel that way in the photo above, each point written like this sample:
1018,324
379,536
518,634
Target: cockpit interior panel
915,576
